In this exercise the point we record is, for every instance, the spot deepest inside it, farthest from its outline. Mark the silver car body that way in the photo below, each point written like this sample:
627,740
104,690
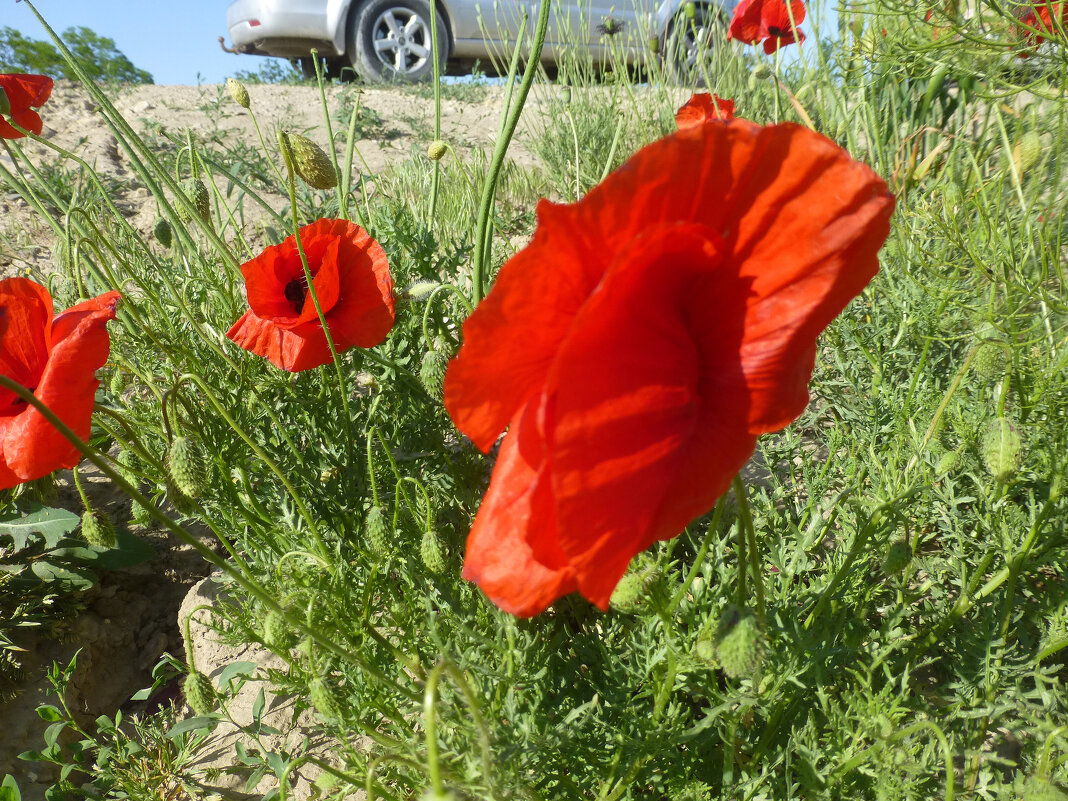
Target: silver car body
477,28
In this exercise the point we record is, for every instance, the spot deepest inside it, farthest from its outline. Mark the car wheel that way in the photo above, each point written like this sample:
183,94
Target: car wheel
390,40
688,55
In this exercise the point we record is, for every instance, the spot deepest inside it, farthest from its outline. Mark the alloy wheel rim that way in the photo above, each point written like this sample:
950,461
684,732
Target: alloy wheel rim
401,40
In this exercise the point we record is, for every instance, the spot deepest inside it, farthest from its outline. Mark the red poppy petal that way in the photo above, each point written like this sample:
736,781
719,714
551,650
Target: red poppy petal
364,313
325,279
31,447
746,24
511,551
771,44
24,339
626,384
292,349
24,90
513,335
702,108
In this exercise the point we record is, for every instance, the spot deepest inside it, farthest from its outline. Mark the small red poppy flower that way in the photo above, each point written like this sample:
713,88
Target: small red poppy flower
1044,20
57,358
24,93
352,282
704,107
645,338
776,22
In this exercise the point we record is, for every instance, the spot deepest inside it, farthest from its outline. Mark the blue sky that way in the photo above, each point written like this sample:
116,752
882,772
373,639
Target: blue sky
175,40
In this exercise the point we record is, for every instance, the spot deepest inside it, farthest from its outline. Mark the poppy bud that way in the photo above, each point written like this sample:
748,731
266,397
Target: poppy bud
162,232
5,104
139,515
705,649
430,551
188,466
377,529
1000,448
1027,153
436,150
947,463
1039,788
366,384
199,692
325,700
307,160
654,44
197,194
277,633
179,500
690,10
432,369
238,92
761,72
740,645
897,558
633,589
98,529
117,383
989,361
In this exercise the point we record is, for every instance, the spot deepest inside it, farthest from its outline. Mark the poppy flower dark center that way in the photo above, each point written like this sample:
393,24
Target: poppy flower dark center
296,291
776,32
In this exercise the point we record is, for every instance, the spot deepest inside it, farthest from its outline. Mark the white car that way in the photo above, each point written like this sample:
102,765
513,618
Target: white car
388,40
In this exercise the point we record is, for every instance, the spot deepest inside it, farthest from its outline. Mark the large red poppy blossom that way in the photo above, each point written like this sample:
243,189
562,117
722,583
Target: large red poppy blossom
1044,20
24,93
704,107
637,347
352,282
57,358
775,22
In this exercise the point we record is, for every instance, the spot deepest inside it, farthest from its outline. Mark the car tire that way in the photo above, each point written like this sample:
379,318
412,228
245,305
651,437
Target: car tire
690,41
390,41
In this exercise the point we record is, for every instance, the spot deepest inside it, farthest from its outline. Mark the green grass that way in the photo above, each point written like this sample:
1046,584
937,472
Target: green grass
948,672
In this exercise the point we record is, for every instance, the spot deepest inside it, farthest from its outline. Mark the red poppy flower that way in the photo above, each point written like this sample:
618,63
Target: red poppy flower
704,107
23,91
353,284
57,359
773,21
1045,20
637,347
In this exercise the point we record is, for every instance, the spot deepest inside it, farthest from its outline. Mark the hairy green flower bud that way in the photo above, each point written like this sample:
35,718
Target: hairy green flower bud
163,233
632,591
989,361
98,529
199,692
690,10
1038,788
741,644
307,160
377,529
430,551
197,194
947,463
117,382
1000,448
654,44
436,150
277,633
897,558
188,466
432,369
761,71
1027,153
324,698
238,92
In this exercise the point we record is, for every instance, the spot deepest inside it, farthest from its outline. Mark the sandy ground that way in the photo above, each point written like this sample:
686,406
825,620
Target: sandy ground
402,122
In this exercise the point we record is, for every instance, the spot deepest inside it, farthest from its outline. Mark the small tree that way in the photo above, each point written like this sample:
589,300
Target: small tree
98,56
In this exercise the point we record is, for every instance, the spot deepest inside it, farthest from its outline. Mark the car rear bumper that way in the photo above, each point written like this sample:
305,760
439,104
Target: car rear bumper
270,27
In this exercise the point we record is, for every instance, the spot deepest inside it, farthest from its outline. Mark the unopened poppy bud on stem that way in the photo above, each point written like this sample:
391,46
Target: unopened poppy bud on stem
98,529
238,92
188,466
197,194
199,692
163,233
307,160
436,150
690,10
1000,448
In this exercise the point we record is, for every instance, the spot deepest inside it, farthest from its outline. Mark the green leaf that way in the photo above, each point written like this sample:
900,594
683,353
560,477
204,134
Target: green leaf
129,550
36,520
208,722
235,669
257,708
9,789
49,712
75,577
51,735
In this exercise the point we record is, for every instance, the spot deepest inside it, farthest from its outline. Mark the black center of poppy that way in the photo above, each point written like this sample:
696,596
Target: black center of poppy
295,293
777,33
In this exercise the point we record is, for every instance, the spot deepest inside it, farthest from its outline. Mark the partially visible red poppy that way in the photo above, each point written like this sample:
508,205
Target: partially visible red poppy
24,93
637,347
57,358
776,22
1043,20
704,107
352,282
